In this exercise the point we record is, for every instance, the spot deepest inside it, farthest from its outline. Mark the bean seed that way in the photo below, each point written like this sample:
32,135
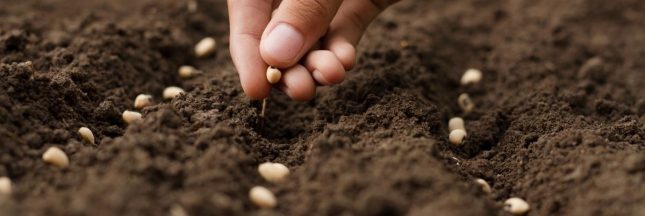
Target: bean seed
273,172
172,92
5,186
471,76
131,116
205,47
484,185
262,197
57,157
142,100
177,210
456,123
465,103
457,136
86,134
516,206
273,75
187,71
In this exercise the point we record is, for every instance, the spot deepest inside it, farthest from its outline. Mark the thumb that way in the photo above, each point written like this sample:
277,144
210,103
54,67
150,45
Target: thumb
295,27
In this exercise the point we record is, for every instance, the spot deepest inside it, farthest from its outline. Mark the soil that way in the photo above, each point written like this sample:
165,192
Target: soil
559,118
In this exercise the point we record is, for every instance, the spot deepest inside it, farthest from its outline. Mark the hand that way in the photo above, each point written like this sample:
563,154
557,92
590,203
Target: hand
311,41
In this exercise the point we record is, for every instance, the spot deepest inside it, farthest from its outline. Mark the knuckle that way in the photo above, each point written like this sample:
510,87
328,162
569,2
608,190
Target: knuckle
311,9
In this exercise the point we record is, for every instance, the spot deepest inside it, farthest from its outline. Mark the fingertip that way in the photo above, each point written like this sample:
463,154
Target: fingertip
256,91
325,66
345,52
299,85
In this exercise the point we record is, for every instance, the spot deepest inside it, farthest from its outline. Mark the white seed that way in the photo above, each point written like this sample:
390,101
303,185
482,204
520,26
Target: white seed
131,116
56,157
192,6
142,100
205,47
456,123
5,186
471,76
484,185
262,197
465,103
86,134
457,136
273,75
187,71
172,92
177,210
273,172
516,206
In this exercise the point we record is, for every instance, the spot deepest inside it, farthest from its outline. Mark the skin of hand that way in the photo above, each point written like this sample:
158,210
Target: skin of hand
313,42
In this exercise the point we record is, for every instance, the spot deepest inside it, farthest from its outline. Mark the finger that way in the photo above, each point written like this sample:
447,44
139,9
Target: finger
347,28
294,28
325,66
298,84
248,19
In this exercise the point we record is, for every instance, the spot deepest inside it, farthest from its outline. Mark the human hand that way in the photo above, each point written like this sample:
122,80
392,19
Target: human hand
311,41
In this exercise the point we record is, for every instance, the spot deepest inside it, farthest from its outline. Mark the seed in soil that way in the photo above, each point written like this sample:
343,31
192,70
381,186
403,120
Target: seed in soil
86,134
172,92
192,6
205,47
187,71
5,186
142,100
273,172
262,197
57,157
484,185
273,75
177,210
516,206
131,116
457,136
465,103
456,123
471,76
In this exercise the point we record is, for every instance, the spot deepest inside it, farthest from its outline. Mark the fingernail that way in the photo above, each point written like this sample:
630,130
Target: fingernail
319,77
283,43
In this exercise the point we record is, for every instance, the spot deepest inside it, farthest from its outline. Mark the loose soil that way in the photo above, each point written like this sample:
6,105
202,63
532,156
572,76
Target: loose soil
559,118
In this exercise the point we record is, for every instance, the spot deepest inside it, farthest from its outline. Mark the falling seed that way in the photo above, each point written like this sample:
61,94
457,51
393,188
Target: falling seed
273,172
516,206
484,185
457,136
273,75
471,76
262,197
5,186
131,116
56,157
187,71
465,103
86,134
172,92
142,100
456,123
205,47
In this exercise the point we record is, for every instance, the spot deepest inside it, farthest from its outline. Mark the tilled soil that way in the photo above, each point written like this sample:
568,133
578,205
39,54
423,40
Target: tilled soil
559,117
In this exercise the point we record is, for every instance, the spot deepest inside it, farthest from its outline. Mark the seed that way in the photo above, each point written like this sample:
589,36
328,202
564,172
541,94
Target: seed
56,157
205,47
484,185
273,172
192,6
142,100
273,75
516,206
465,103
262,197
5,186
131,116
457,136
177,210
187,71
471,76
172,92
86,134
456,123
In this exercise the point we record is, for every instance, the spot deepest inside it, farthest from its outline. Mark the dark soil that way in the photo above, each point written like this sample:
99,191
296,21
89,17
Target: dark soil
559,118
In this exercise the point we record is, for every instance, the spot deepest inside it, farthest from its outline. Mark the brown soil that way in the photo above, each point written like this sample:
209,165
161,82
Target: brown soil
559,118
